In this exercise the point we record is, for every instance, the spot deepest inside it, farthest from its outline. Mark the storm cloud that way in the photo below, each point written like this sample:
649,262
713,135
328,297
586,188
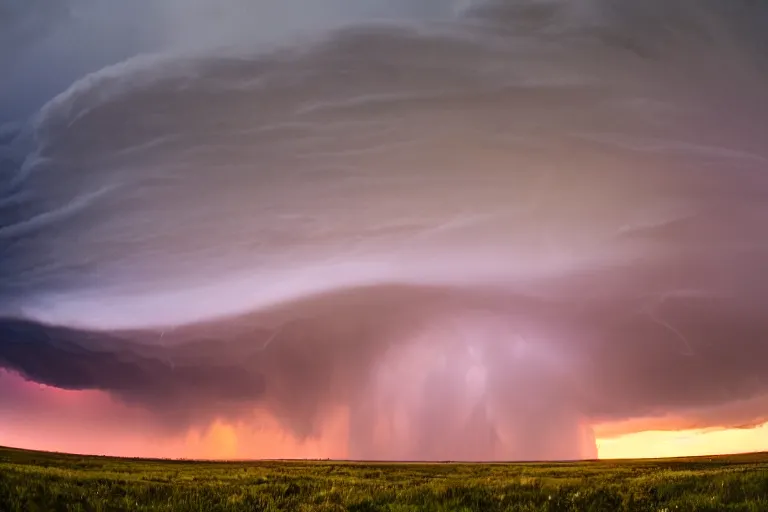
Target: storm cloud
478,230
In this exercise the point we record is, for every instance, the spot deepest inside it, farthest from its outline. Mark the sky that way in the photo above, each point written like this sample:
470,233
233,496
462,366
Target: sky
489,230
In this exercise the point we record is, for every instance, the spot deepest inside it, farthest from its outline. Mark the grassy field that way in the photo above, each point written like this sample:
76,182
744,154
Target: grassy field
36,481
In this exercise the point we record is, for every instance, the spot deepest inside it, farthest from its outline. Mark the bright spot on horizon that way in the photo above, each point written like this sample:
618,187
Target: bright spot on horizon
684,443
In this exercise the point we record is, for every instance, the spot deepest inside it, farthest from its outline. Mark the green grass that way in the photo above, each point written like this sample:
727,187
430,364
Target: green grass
36,481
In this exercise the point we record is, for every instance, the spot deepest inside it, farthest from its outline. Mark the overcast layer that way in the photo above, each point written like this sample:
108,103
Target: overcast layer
464,231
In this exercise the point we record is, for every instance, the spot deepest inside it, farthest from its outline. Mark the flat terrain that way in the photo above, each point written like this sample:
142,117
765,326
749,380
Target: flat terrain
36,481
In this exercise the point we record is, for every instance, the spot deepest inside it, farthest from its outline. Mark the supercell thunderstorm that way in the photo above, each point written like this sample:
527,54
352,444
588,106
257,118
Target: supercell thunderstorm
477,228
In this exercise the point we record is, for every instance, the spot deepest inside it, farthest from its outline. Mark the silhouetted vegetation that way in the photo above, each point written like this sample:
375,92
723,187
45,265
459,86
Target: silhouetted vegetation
36,481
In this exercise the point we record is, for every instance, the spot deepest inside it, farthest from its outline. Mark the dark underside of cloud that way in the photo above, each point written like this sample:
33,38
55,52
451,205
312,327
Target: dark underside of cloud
603,359
502,225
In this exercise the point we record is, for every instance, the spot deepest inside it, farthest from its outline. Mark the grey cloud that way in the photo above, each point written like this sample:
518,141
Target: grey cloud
496,235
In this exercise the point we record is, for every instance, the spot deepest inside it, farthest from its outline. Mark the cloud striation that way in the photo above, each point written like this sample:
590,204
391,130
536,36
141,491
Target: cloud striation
478,229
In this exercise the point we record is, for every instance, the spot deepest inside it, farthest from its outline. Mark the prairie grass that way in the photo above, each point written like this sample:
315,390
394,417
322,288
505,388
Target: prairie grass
37,481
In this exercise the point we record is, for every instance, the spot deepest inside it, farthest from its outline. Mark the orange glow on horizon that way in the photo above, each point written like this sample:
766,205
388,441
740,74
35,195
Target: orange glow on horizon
92,422
227,441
